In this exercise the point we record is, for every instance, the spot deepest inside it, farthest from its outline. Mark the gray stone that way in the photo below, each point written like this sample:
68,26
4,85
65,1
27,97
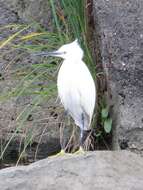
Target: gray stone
31,10
93,170
119,28
6,15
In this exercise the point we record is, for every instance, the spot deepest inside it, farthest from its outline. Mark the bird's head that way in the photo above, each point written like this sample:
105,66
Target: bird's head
67,51
70,51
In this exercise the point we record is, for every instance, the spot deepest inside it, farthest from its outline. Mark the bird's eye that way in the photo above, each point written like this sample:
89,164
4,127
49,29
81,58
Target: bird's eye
64,52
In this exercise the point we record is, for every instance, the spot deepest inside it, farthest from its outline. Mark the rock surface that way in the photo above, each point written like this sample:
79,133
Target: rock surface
95,170
29,11
119,28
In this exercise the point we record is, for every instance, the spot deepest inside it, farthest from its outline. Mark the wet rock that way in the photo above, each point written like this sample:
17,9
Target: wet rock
119,27
93,170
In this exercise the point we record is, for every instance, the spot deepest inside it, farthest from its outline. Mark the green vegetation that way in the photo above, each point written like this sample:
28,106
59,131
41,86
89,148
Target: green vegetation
106,120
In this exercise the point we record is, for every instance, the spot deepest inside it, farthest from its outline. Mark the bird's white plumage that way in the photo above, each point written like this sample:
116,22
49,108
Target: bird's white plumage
76,87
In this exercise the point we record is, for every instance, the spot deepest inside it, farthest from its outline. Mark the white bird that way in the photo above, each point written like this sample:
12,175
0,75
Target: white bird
76,87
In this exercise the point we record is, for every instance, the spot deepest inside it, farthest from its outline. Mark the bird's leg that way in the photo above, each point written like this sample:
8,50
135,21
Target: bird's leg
81,150
62,142
62,139
62,135
81,137
66,113
62,152
82,133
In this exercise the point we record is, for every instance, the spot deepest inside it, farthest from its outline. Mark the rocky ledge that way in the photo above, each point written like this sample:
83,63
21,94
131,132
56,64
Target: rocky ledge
101,170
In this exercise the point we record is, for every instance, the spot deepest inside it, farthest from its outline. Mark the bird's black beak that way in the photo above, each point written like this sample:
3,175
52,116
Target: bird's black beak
47,54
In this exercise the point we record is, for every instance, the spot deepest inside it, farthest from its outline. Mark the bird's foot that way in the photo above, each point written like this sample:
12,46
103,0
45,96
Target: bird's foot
80,151
61,153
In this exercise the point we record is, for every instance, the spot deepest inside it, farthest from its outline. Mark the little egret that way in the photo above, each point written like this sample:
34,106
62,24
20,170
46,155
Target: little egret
76,87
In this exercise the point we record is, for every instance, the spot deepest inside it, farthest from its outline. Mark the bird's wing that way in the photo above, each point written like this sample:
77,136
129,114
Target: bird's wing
77,92
87,91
